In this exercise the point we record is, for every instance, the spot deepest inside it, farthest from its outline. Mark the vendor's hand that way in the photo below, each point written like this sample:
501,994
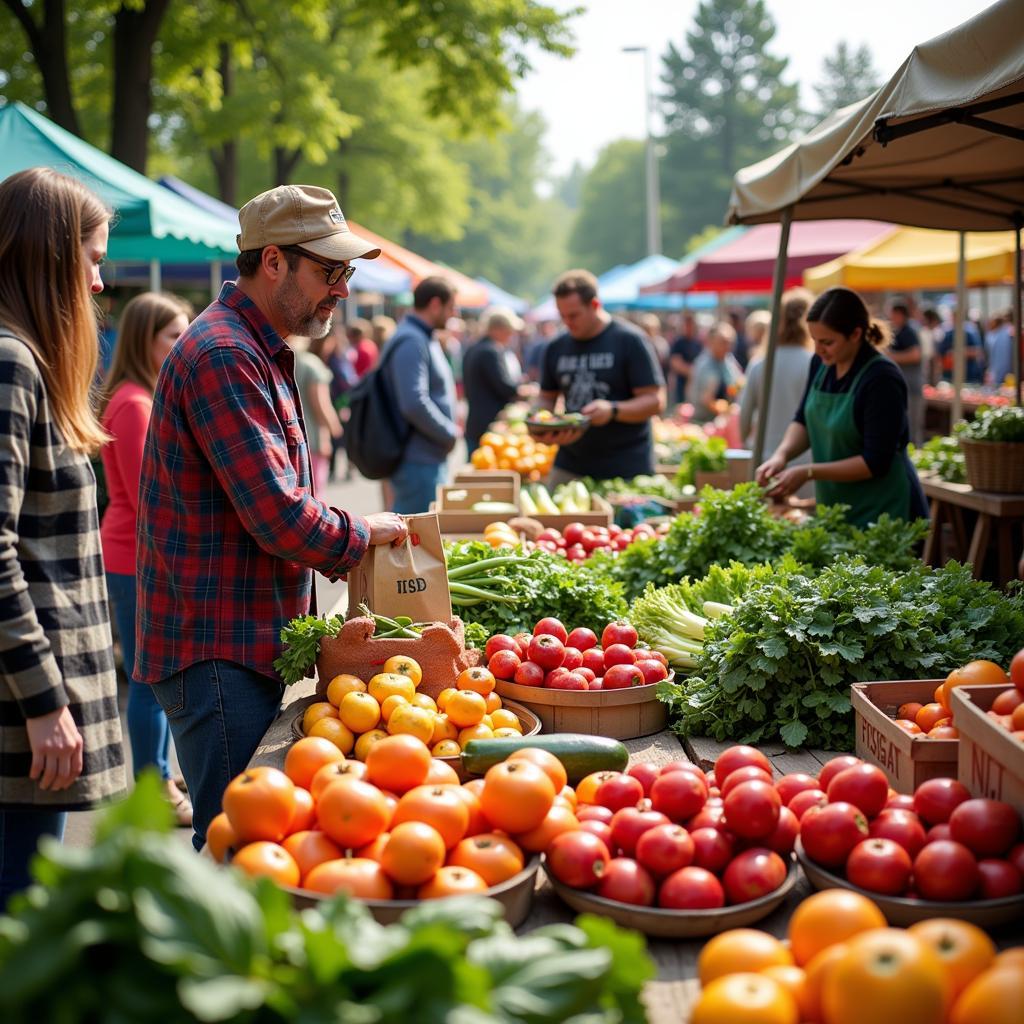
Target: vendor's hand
387,528
56,749
771,467
788,482
599,411
567,436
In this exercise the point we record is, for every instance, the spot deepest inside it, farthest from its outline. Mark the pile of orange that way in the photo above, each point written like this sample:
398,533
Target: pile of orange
398,825
842,965
514,451
358,714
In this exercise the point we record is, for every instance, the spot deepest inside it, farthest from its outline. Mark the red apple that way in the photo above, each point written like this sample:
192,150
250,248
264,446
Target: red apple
573,532
652,671
586,673
569,681
582,639
529,674
547,651
619,633
553,679
572,659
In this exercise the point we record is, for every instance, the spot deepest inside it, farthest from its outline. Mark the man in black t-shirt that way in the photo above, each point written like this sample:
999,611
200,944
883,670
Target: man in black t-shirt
604,369
684,353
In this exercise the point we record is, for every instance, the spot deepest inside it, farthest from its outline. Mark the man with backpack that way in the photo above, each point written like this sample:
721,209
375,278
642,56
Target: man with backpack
229,529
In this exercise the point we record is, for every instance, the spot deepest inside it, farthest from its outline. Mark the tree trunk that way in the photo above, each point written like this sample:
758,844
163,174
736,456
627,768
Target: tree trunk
225,157
285,162
48,43
135,33
344,179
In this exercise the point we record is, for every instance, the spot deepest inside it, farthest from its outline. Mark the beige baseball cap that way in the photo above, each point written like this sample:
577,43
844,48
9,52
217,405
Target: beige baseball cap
301,215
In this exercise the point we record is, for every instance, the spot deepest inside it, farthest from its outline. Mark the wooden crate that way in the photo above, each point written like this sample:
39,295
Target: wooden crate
991,762
472,475
619,714
906,760
455,503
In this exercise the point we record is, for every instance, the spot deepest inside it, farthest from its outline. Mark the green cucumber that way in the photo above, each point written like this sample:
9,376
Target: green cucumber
580,754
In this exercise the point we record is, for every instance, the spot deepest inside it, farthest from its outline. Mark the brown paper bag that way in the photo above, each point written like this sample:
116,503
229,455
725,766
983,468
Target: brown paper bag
410,578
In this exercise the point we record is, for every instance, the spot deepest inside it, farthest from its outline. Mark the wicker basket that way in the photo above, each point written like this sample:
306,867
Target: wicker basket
994,466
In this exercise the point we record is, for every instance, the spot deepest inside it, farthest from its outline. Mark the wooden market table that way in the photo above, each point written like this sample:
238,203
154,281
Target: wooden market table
999,519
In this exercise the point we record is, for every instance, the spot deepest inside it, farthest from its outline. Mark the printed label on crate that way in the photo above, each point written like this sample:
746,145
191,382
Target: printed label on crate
881,748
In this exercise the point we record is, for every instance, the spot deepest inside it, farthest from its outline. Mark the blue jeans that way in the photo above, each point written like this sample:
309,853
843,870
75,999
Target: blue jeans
415,486
219,713
148,731
20,832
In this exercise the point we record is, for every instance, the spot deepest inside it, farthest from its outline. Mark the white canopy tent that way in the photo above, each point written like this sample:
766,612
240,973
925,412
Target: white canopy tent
940,145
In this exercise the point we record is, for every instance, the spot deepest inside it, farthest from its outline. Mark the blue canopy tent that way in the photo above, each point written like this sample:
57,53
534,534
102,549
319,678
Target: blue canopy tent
497,296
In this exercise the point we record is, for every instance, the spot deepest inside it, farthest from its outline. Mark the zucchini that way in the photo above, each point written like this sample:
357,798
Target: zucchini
580,754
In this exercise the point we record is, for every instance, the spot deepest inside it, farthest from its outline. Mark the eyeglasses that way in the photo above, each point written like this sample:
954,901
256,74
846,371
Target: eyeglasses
335,271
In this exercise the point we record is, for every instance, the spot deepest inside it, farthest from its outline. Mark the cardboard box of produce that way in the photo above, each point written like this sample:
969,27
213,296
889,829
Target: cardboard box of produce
466,508
906,760
991,761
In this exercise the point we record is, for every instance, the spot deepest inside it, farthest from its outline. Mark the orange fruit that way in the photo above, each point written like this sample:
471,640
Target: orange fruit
885,974
1010,699
342,684
389,705
437,806
815,973
1017,718
994,997
477,822
357,876
465,708
360,712
452,881
505,719
367,740
402,665
443,729
304,816
478,679
446,748
475,786
475,732
309,848
505,733
974,673
263,859
909,710
932,715
334,731
964,949
413,853
442,697
568,794
493,702
495,858
828,917
221,840
422,700
352,812
546,761
794,981
384,684
260,804
943,732
398,763
306,756
331,773
322,709
373,850
745,998
558,820
407,720
1008,957
517,796
740,949
441,774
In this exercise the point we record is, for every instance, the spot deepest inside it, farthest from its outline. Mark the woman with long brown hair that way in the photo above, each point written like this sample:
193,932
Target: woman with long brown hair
150,324
60,734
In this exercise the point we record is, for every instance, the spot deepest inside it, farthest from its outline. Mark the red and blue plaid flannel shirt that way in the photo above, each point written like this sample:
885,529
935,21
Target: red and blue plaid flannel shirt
228,527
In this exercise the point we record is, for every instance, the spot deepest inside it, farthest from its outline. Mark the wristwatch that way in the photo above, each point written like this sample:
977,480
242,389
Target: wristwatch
615,411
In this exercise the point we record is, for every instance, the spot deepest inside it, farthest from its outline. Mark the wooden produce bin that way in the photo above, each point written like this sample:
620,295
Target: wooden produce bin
471,475
600,514
455,503
906,760
991,762
721,481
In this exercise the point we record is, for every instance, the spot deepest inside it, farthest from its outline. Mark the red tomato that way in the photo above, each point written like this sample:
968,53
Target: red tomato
805,800
627,882
664,849
935,799
998,879
586,812
829,833
503,664
1017,670
618,633
796,782
573,658
738,757
500,642
712,849
945,870
748,773
712,816
577,858
601,829
1016,857
620,676
581,638
619,791
619,654
752,810
830,769
783,839
646,772
899,802
903,827
629,824
546,650
988,828
752,874
865,786
551,627
691,888
680,795
937,832
879,865
686,766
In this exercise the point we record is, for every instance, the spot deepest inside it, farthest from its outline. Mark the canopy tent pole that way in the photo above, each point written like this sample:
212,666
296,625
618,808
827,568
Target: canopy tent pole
154,276
215,278
959,332
1015,328
778,284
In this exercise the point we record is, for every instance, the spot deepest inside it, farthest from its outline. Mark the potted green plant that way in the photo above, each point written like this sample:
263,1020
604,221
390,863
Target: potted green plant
993,447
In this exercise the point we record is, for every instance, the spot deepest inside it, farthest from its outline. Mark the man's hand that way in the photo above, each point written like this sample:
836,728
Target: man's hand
387,528
599,411
56,749
570,435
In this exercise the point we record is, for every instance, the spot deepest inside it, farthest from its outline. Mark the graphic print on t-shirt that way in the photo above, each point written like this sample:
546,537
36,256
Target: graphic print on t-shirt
578,380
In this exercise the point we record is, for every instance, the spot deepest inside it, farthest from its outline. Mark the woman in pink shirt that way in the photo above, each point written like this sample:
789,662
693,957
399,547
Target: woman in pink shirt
150,324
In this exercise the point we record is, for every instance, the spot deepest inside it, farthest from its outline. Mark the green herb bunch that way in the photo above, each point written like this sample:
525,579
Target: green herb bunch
994,423
301,638
942,456
702,456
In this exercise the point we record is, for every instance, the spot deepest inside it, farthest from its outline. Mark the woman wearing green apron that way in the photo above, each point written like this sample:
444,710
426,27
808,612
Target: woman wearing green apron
853,417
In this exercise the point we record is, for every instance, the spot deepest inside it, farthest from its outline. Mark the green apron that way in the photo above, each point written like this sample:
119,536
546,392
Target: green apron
834,436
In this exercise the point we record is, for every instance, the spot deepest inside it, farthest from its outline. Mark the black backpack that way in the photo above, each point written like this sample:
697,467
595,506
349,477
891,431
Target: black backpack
376,432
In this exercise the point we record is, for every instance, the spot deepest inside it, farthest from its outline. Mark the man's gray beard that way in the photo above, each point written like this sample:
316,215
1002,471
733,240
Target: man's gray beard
297,316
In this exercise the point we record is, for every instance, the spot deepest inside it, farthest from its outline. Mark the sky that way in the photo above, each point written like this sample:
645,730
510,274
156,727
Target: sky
597,96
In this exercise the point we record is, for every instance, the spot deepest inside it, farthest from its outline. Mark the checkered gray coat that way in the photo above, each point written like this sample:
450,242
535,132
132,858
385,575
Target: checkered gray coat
55,641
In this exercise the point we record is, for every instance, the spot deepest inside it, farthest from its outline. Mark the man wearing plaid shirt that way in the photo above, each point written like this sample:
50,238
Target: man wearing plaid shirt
229,529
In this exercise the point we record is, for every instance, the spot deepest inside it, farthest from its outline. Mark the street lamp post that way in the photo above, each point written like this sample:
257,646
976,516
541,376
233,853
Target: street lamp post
652,190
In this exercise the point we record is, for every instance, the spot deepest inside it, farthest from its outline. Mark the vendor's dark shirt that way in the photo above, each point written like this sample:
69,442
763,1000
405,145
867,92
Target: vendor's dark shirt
611,366
905,340
689,348
879,413
488,385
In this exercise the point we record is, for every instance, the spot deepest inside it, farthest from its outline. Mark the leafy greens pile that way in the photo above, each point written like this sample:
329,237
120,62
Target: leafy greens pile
780,666
942,456
994,423
139,929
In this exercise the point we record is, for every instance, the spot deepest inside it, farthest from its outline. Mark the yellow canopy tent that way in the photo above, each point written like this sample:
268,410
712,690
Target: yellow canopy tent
913,258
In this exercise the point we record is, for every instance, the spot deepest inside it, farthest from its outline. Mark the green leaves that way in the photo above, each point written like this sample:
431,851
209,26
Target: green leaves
999,423
301,638
942,456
